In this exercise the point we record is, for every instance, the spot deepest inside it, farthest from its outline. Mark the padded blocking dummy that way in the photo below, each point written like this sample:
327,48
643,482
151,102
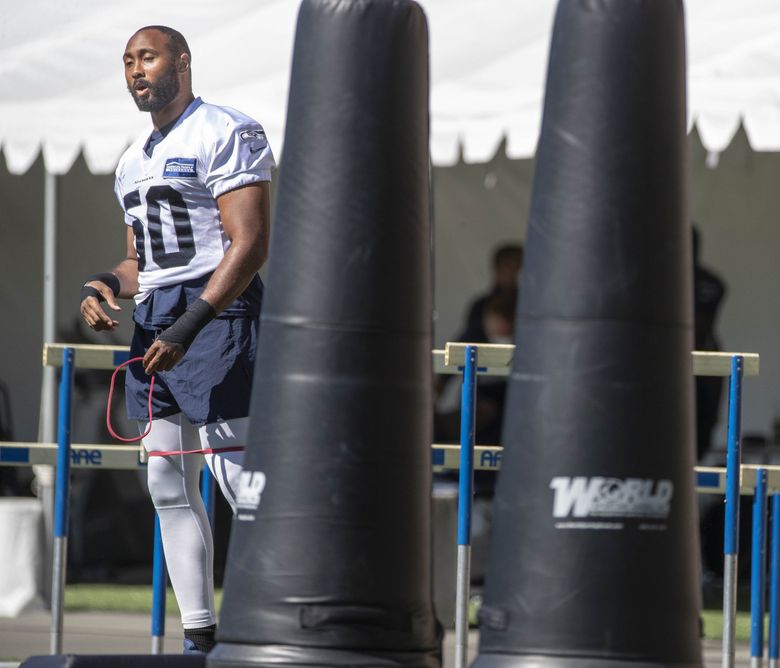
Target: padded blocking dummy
594,560
329,559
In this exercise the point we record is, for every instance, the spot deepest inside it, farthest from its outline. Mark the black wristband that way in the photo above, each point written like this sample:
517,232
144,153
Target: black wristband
106,277
89,291
183,332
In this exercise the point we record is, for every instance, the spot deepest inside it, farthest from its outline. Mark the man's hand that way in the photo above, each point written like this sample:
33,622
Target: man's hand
93,313
162,356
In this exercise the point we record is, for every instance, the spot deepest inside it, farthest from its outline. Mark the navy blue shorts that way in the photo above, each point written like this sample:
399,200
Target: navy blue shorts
212,382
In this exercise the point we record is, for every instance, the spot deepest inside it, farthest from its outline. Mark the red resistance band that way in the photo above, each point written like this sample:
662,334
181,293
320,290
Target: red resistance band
155,453
111,396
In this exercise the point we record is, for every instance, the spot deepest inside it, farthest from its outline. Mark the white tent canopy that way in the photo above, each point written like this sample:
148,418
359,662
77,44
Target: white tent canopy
64,91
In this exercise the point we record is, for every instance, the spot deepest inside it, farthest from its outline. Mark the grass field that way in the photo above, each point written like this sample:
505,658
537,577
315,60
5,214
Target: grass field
118,598
138,598
713,625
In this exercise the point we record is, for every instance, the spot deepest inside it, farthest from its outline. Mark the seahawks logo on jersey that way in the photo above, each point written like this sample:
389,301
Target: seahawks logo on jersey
177,168
248,135
257,139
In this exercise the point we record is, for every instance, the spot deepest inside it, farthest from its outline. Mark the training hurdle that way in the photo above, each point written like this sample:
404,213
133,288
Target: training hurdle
64,455
471,360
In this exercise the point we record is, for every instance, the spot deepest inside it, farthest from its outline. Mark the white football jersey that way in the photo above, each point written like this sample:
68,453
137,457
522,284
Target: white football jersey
169,199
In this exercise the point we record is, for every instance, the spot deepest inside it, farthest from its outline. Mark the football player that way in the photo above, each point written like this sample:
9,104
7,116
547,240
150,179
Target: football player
195,195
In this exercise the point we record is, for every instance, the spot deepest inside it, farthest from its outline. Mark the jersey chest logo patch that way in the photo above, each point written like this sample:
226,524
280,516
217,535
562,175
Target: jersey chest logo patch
177,168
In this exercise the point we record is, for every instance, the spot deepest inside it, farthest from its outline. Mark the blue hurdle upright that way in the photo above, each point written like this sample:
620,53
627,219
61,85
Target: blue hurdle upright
465,500
731,528
774,585
61,501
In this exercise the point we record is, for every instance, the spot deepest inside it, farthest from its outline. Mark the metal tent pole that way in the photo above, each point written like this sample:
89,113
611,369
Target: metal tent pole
47,428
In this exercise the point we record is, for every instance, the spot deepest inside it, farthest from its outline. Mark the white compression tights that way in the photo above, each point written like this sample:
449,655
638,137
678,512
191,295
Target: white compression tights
184,525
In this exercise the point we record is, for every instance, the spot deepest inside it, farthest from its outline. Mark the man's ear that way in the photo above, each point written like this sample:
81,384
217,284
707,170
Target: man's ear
184,62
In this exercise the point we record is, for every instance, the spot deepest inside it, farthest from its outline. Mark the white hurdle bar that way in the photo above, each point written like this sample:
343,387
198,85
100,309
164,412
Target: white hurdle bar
87,356
82,455
709,479
495,359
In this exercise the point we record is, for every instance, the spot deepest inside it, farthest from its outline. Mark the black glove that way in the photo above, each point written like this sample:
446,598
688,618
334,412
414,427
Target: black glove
183,332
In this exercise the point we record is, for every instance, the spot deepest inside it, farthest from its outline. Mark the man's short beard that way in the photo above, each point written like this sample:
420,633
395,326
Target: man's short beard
160,94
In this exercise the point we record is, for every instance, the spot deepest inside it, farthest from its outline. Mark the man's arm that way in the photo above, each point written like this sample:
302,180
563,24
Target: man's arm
245,214
126,273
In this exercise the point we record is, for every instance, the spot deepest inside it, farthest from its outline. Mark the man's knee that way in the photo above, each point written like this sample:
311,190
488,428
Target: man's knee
166,486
